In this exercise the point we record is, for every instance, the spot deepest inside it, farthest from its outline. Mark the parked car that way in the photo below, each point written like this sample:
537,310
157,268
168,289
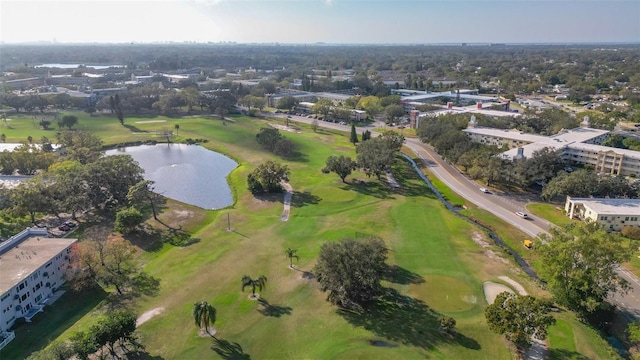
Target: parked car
70,224
485,190
64,227
522,215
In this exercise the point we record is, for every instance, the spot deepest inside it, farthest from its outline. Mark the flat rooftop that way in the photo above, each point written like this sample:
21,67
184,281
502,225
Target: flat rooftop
611,206
26,257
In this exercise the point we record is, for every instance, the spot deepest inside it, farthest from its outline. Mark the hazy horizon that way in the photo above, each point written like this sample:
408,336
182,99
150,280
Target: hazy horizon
332,22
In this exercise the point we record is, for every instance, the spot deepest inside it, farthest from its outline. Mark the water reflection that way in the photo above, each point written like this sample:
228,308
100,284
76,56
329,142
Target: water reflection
187,173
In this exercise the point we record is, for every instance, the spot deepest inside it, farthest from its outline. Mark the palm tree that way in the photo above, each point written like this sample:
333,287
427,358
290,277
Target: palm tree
177,127
204,314
291,253
260,283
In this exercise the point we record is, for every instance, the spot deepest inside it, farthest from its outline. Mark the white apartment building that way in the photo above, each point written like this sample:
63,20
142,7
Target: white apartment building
32,268
613,214
579,146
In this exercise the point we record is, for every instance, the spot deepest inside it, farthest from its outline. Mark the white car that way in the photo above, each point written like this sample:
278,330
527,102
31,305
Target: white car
522,215
485,190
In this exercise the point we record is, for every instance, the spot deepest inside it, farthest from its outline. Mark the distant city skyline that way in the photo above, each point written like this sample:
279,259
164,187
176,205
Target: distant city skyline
320,21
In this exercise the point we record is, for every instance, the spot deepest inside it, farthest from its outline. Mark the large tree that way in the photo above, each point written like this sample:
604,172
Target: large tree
267,177
31,196
190,96
68,121
393,112
105,261
341,165
109,179
323,106
370,104
142,193
204,314
269,137
128,220
82,145
519,318
543,165
287,102
69,186
350,271
580,265
375,156
118,327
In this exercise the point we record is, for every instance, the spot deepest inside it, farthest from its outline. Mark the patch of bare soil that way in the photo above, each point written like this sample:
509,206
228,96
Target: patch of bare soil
480,239
204,334
285,128
148,315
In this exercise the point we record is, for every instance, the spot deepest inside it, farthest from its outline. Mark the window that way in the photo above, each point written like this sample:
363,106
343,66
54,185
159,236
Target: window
626,218
603,218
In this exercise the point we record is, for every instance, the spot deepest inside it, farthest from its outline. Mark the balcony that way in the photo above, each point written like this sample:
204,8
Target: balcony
6,337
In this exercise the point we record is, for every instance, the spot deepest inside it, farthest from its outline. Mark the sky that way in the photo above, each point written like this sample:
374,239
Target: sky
328,21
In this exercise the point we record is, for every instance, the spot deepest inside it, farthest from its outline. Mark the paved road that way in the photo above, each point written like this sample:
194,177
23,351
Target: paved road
502,205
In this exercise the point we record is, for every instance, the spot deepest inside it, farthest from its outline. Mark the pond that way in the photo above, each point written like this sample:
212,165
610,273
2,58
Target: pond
187,173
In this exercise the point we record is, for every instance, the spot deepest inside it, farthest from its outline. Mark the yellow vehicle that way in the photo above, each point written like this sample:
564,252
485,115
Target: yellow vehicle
528,244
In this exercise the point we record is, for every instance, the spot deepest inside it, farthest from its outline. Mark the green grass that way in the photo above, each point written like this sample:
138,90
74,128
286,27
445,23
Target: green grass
550,213
448,194
572,339
437,268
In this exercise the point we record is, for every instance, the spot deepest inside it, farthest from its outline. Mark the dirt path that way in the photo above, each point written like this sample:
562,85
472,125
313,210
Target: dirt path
287,201
148,315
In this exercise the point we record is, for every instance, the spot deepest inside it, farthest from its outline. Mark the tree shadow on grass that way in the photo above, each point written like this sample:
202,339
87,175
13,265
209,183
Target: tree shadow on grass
180,238
296,156
273,310
403,319
371,188
300,199
467,342
142,355
149,240
133,128
398,318
414,189
561,354
271,197
399,275
228,350
146,284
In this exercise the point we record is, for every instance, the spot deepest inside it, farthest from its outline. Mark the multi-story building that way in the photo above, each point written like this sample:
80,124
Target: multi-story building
578,146
613,214
32,268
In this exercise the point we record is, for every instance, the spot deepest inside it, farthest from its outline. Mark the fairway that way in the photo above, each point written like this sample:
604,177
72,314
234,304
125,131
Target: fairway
435,267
